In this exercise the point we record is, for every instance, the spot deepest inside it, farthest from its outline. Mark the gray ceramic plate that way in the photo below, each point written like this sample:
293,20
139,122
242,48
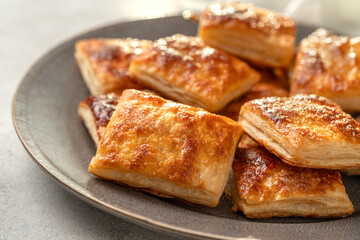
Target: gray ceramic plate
45,117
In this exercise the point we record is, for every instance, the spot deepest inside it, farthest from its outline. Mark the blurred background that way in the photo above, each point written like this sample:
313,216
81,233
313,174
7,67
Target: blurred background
32,204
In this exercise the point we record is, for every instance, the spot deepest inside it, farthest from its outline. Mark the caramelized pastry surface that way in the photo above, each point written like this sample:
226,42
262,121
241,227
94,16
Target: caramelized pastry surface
262,37
267,187
96,112
328,65
307,116
304,130
261,176
188,149
105,63
183,68
246,15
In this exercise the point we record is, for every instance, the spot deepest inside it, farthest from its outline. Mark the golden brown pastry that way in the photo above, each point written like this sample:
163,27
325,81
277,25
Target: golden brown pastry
95,112
184,69
329,65
304,130
104,63
265,187
167,147
352,172
261,36
246,142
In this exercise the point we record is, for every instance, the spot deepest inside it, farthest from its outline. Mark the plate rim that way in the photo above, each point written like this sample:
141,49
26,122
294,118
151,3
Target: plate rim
67,182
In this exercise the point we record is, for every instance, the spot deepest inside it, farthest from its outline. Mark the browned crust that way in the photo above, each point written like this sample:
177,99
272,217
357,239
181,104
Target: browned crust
109,60
133,117
253,166
305,118
152,137
102,107
262,177
208,74
260,36
352,172
327,65
247,17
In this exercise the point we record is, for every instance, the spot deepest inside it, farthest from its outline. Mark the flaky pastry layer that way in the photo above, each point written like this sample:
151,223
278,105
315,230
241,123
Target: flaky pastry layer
304,130
263,187
184,69
104,63
95,112
261,36
328,65
169,147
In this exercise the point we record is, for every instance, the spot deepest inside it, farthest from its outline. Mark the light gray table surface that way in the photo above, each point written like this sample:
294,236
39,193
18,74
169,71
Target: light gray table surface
32,204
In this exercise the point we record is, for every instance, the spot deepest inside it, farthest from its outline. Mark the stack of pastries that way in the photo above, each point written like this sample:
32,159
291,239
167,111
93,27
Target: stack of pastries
183,116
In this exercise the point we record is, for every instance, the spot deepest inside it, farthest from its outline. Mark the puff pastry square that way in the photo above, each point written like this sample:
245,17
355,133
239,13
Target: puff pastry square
304,130
184,69
95,112
260,36
167,147
329,65
265,187
104,63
